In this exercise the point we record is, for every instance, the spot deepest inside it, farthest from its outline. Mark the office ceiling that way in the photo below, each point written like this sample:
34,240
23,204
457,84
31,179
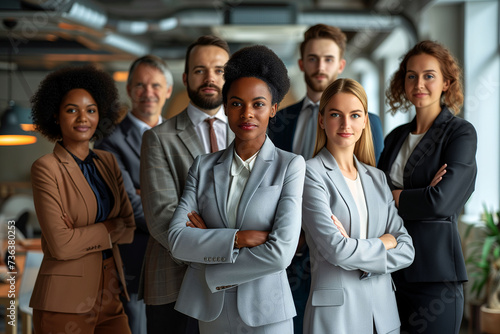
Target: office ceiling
45,34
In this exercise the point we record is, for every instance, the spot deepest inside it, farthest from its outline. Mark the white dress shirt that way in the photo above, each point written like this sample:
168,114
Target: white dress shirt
358,193
202,128
298,138
143,127
240,172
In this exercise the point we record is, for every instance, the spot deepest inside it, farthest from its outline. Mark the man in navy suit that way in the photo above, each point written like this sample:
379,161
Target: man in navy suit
321,60
149,85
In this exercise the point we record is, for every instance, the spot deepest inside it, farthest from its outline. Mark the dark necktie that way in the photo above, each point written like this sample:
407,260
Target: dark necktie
213,138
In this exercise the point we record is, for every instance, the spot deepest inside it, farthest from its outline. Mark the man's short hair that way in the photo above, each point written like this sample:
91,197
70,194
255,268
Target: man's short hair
206,40
153,61
324,31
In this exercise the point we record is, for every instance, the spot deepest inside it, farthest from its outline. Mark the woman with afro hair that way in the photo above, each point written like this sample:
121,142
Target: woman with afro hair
243,211
82,207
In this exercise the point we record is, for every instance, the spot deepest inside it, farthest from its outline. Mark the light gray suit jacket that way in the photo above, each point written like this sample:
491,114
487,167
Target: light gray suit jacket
341,302
271,201
168,150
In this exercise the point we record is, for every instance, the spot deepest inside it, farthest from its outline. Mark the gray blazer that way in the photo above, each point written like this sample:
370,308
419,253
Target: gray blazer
340,301
168,150
271,201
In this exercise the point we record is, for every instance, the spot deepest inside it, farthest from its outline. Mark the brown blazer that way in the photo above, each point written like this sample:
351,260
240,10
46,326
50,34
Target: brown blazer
68,280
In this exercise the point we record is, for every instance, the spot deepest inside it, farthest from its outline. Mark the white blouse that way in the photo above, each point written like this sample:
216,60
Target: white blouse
398,167
358,193
240,172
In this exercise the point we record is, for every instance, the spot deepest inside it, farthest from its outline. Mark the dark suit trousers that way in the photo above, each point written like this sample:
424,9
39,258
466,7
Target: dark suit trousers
106,317
299,278
165,319
430,307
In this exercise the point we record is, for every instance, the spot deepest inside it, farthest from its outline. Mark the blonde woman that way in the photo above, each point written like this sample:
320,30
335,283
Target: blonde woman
355,235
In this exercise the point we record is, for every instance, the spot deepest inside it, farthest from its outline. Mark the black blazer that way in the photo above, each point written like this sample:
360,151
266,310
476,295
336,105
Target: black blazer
431,213
281,129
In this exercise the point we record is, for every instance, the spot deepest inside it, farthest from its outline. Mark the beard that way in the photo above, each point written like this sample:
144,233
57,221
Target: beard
203,101
316,86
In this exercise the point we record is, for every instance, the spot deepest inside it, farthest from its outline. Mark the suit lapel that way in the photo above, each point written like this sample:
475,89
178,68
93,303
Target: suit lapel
396,147
295,113
82,186
188,135
282,128
229,135
132,135
222,178
427,144
262,163
335,175
370,193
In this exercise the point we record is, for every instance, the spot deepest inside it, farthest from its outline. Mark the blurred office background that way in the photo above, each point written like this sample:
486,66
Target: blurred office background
38,36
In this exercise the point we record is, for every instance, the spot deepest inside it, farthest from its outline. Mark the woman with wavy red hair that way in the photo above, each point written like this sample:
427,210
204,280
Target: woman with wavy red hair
432,169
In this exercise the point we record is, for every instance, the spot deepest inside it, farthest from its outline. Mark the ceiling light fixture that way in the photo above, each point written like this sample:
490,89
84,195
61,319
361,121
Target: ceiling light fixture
10,129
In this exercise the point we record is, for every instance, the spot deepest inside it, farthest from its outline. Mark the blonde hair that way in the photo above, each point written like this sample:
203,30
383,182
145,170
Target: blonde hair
363,150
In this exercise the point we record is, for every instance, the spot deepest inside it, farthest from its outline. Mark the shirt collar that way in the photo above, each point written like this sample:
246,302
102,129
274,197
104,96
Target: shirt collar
197,116
308,102
88,160
239,164
142,126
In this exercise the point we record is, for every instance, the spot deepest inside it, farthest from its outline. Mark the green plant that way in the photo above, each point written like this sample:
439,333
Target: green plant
484,253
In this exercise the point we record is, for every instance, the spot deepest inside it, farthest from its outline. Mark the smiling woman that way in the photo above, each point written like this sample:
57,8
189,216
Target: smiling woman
78,117
355,236
431,162
81,204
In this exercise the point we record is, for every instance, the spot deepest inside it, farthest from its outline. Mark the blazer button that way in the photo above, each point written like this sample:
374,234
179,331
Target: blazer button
223,259
218,288
218,259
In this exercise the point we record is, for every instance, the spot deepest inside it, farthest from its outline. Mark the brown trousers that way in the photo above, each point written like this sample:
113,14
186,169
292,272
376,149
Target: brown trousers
106,317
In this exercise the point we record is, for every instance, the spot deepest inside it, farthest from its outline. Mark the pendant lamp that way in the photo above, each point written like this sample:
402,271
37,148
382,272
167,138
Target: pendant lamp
10,129
11,132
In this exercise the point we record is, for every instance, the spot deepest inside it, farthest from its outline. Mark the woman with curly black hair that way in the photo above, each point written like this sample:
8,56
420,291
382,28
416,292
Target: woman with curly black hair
243,207
82,207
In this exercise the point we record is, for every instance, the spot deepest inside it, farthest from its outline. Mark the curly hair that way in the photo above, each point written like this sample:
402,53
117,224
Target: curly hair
453,98
259,62
46,101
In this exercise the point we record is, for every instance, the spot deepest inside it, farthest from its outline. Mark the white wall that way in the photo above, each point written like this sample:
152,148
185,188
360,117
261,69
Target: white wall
482,98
